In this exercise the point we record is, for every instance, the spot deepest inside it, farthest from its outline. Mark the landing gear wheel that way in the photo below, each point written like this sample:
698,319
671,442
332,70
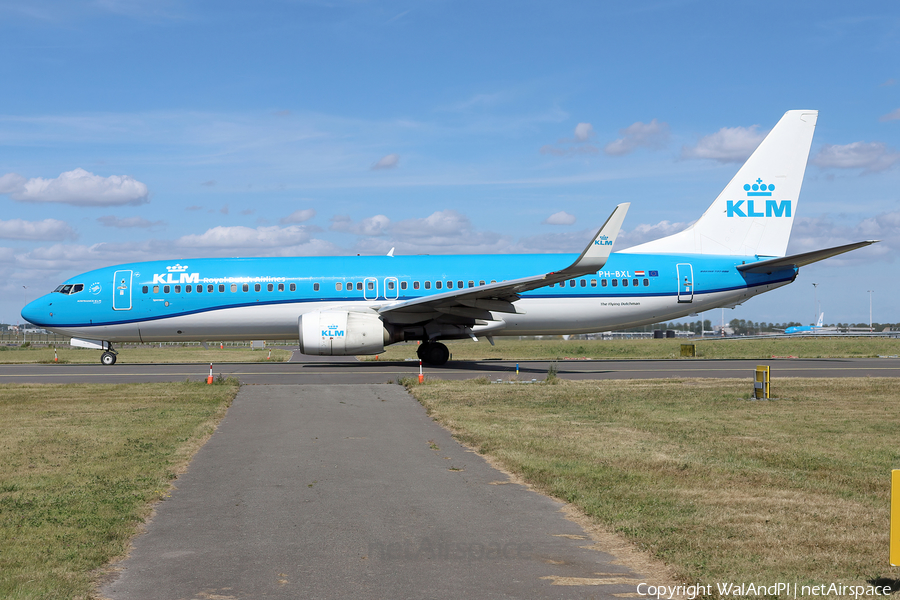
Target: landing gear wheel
433,353
108,358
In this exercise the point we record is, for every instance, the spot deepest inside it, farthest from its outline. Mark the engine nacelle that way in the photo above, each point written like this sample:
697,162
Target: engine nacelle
342,333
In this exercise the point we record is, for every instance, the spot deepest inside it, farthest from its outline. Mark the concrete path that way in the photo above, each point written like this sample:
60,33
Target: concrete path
315,491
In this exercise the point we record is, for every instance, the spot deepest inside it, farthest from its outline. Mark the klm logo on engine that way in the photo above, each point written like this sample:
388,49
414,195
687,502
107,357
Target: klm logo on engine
603,240
755,208
333,331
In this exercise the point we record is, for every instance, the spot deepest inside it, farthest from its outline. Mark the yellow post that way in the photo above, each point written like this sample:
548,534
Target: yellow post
895,518
761,383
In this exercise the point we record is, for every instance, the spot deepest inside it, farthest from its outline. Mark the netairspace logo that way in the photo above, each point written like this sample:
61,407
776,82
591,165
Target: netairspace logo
753,590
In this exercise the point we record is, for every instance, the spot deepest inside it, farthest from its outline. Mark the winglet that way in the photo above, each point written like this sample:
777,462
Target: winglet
597,252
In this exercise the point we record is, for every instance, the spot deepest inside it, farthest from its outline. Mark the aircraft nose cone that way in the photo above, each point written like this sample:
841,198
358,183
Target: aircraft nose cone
37,312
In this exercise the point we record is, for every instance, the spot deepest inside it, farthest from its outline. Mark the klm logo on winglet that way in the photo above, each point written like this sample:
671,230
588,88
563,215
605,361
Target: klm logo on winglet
603,240
773,208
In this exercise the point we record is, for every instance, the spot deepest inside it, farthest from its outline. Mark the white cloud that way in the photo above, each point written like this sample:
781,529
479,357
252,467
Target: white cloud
387,162
814,233
240,237
113,221
729,144
77,187
646,232
894,115
560,218
48,229
371,226
584,132
872,157
577,145
298,216
653,135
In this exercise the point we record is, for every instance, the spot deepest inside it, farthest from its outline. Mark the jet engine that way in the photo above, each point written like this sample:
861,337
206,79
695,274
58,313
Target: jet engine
342,333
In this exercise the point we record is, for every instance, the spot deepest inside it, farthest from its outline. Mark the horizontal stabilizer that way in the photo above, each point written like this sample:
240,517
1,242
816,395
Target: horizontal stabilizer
799,260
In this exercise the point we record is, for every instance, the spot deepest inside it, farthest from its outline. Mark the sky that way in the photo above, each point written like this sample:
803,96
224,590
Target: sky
165,129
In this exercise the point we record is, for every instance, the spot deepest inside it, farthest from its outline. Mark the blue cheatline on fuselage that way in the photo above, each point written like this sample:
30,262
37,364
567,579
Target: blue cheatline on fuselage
160,290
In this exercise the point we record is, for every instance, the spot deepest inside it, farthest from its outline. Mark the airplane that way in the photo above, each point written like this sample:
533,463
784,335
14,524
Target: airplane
357,305
808,328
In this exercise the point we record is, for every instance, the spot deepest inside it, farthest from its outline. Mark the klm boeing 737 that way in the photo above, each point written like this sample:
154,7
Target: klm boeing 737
358,305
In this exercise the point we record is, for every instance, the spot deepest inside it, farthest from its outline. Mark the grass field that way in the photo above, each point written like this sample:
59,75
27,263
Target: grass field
79,466
723,488
558,349
143,355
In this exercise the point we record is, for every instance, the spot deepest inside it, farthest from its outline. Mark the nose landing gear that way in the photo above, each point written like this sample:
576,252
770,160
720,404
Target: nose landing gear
108,357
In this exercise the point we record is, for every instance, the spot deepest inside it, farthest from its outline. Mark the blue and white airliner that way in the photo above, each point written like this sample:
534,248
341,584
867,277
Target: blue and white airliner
358,305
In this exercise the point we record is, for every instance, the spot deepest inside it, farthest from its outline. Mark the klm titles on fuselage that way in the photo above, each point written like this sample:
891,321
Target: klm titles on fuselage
167,278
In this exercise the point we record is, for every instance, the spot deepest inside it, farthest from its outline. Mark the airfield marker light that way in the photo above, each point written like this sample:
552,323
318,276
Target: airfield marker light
55,356
895,518
269,357
421,375
221,345
209,379
517,369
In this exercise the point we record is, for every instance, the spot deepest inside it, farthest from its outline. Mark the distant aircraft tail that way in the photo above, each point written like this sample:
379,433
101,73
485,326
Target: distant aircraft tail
821,319
754,213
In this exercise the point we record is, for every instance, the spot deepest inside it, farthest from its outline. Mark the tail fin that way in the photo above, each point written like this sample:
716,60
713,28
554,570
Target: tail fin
821,319
754,213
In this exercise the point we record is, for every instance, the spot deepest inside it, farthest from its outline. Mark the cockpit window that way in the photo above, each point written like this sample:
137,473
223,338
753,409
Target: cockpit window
69,288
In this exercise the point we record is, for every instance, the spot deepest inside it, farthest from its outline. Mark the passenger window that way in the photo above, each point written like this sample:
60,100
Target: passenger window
493,281
471,284
155,289
615,282
625,282
188,289
593,283
271,287
144,289
177,289
166,289
338,286
552,285
438,284
583,283
199,289
221,288
233,288
210,289
280,287
634,283
646,282
449,285
415,285
459,284
402,285
257,288
315,287
571,283
427,285
481,282
602,283
293,287
246,287
359,286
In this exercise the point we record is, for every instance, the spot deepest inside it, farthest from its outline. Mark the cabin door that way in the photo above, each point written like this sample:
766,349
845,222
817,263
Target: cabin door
685,282
122,290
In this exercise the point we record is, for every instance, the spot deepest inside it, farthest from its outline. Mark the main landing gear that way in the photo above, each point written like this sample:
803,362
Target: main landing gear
109,356
433,353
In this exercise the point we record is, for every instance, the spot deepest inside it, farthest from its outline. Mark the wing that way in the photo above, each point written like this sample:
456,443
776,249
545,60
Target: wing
480,302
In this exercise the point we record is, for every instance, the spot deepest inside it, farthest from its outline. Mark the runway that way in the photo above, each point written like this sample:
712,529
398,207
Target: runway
347,370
